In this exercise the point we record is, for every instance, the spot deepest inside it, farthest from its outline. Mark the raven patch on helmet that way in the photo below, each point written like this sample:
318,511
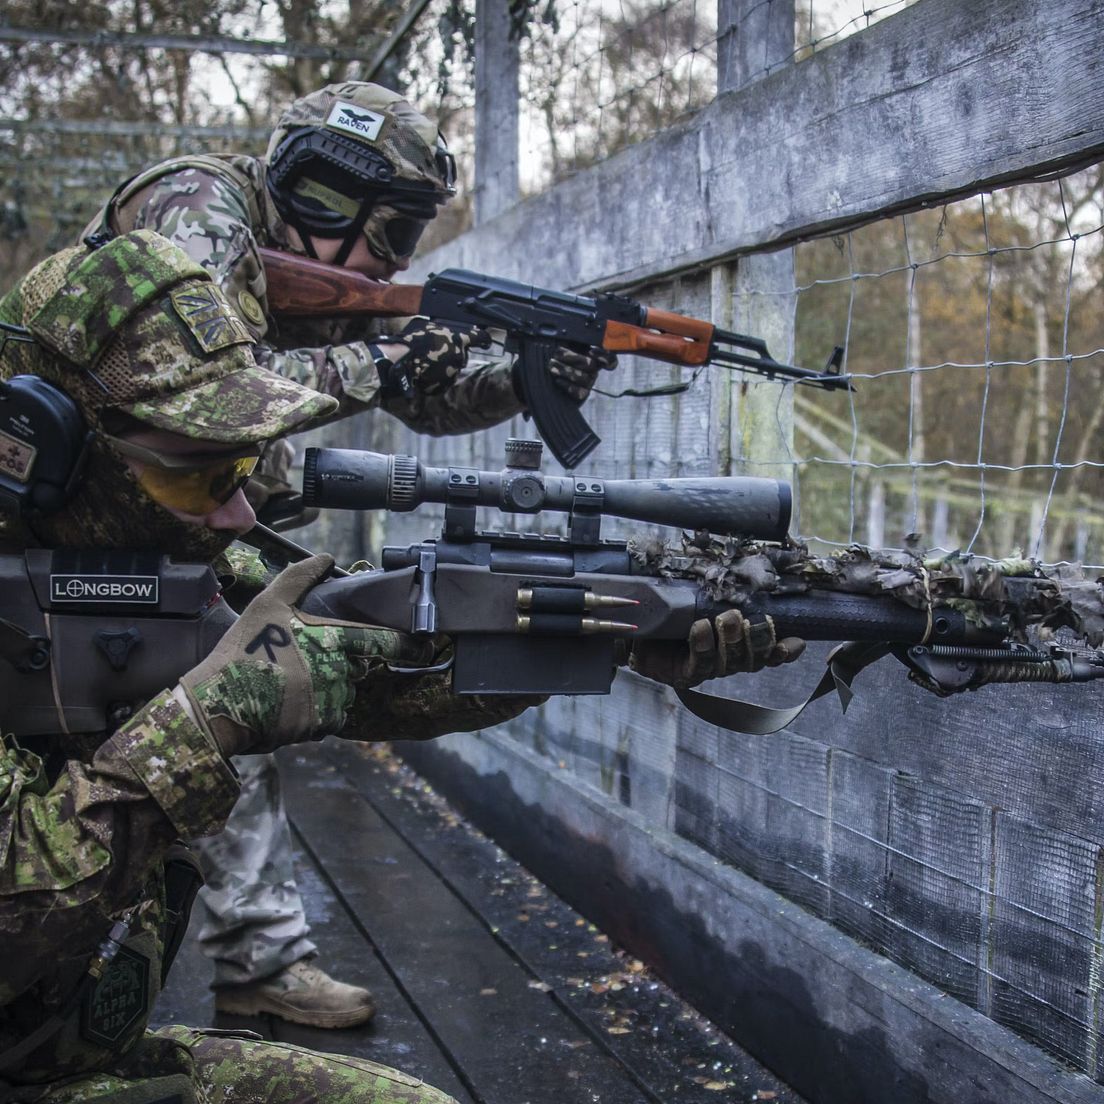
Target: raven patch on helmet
352,119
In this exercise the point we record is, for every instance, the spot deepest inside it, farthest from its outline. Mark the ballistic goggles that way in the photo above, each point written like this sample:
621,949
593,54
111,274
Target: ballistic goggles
328,185
194,484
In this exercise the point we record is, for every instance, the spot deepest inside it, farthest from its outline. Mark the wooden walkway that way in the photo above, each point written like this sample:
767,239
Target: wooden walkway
488,985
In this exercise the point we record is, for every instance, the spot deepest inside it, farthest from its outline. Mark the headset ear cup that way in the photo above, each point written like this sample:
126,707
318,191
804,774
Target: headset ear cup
43,446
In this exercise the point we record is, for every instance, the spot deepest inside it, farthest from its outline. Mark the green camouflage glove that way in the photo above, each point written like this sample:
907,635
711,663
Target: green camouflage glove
725,646
436,354
280,675
576,372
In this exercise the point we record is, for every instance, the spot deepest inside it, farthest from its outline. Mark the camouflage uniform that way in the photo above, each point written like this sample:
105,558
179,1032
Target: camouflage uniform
218,210
86,819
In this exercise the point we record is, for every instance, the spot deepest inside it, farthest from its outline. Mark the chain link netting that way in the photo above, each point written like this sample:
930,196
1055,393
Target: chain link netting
977,349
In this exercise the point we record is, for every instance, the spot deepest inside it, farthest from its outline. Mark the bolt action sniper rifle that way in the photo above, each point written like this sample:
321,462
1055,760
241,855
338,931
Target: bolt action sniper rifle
87,637
537,322
540,614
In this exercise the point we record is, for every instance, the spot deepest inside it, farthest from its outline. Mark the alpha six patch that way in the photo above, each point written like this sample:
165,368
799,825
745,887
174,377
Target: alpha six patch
118,1001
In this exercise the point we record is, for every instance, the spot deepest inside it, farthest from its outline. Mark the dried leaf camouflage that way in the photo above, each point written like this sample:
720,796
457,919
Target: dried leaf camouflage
1037,598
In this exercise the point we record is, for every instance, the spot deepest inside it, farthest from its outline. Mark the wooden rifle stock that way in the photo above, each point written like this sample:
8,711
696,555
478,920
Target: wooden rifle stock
302,287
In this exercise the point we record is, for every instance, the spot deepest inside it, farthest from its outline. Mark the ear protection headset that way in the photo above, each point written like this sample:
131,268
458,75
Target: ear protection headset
43,441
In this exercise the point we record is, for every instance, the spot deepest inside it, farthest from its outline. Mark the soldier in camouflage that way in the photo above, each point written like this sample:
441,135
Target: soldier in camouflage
161,371
352,175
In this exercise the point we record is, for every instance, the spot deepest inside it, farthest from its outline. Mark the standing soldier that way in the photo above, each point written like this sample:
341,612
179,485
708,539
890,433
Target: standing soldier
352,176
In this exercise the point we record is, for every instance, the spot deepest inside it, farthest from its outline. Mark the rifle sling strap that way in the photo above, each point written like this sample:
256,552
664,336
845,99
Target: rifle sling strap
844,663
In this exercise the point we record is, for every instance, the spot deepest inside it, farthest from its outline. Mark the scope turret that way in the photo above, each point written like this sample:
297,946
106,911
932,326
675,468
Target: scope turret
745,506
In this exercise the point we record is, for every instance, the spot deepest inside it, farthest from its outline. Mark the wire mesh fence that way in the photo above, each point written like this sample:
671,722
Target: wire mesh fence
600,75
603,75
88,99
978,355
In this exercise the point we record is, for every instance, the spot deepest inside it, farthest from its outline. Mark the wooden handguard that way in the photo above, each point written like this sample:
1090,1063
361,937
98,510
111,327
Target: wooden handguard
302,287
692,349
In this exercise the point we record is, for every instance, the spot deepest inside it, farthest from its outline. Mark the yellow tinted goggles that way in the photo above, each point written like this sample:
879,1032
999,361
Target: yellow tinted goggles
194,484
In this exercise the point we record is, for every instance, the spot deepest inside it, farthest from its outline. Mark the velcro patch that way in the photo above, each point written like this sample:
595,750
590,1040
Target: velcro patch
118,1001
360,121
16,457
205,311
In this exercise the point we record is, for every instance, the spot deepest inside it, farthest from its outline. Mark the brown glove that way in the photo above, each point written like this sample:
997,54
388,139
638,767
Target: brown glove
726,645
280,675
576,373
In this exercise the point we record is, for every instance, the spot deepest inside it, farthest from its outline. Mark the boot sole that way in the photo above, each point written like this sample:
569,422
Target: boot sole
259,1005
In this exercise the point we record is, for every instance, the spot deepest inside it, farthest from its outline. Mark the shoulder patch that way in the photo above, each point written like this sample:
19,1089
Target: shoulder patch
203,308
251,308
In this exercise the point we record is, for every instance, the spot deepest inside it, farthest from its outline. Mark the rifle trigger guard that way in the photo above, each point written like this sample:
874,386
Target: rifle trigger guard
445,666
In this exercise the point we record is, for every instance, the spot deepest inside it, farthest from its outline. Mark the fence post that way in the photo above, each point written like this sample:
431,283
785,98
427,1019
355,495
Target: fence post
754,37
757,292
496,110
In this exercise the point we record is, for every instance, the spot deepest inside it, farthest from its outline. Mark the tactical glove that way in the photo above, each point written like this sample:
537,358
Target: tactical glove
724,646
280,675
576,372
436,354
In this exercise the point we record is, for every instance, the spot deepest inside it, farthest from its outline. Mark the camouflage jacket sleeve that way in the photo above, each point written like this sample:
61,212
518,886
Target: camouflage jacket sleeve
394,706
81,849
208,217
483,395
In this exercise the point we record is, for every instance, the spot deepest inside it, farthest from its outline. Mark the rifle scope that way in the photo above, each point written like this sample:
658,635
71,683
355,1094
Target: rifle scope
348,479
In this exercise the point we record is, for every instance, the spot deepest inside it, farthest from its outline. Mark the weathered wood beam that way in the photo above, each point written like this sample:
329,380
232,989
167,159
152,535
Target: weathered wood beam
942,99
497,111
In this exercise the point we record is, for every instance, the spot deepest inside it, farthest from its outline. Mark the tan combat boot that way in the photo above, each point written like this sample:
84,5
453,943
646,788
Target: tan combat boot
301,993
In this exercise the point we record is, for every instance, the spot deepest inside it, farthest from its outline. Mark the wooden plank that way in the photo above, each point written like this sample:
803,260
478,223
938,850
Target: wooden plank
492,1017
943,98
838,1022
753,39
396,1036
674,1051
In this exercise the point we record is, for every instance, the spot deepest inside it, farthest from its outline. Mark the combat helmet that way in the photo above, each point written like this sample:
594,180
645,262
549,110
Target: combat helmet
357,158
130,335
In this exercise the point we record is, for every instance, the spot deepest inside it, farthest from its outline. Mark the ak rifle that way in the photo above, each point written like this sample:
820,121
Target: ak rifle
536,322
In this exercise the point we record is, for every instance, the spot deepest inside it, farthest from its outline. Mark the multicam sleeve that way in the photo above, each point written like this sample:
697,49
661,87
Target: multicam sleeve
88,842
482,396
208,217
345,371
